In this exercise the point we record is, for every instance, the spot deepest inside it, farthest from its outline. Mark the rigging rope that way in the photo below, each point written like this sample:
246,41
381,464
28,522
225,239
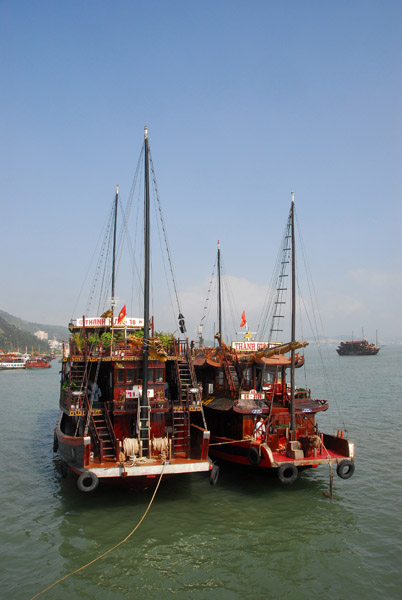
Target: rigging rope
110,549
164,229
313,325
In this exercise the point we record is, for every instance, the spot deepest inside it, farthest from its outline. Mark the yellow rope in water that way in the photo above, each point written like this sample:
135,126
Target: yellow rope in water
110,549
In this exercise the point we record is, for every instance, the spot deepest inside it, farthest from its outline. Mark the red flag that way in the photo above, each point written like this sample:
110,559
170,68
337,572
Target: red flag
243,319
122,315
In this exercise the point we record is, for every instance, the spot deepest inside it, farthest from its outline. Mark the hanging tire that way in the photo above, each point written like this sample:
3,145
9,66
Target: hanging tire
214,475
253,456
87,482
287,473
345,469
60,466
55,443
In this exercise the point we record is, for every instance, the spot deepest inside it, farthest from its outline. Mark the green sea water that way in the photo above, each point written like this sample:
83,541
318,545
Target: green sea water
247,538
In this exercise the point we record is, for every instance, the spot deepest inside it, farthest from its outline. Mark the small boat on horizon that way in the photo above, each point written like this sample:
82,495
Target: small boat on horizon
357,348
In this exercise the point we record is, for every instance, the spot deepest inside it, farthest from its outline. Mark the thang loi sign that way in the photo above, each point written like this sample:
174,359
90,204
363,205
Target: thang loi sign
253,346
107,322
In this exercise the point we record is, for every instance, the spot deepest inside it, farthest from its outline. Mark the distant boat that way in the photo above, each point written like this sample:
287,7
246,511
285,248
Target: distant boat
13,360
37,363
357,348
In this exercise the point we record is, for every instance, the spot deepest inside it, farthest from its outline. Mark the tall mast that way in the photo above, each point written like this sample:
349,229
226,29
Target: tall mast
219,296
116,200
144,416
293,332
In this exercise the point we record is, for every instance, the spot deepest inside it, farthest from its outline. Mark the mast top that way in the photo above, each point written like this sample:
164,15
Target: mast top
219,245
145,132
117,189
293,197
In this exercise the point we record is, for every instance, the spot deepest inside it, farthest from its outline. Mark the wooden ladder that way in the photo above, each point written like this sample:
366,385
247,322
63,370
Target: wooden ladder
144,428
231,376
181,432
107,446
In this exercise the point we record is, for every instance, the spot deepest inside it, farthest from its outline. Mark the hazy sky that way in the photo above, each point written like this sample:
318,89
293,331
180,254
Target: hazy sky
245,101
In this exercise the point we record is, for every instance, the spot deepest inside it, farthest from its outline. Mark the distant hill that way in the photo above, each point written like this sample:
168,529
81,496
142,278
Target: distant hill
15,332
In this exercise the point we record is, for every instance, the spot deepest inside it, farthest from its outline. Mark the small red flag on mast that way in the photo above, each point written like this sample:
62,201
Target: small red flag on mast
122,315
243,319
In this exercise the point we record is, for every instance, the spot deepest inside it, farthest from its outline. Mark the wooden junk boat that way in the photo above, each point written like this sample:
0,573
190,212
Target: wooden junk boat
256,415
126,395
357,348
13,360
37,363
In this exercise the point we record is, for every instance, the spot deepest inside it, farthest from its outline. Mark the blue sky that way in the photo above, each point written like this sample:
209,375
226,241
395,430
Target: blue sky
245,101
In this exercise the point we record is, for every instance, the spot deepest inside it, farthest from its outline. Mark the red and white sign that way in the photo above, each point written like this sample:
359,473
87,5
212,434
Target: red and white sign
252,396
129,322
253,346
136,392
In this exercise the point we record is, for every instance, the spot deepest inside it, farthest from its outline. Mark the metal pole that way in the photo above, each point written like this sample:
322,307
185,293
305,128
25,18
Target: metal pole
144,416
293,333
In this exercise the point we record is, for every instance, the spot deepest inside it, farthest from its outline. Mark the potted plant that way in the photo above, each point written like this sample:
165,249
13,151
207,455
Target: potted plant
106,338
79,342
94,339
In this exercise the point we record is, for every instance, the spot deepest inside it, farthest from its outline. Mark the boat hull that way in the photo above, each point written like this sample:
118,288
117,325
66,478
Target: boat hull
257,455
75,453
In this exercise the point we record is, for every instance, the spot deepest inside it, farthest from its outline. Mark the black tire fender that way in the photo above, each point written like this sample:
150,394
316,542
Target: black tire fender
87,482
63,469
55,443
287,473
345,469
214,475
253,456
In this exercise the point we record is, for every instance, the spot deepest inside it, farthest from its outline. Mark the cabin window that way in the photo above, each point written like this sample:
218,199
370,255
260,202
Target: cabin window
220,377
248,375
268,377
159,374
150,375
130,375
120,375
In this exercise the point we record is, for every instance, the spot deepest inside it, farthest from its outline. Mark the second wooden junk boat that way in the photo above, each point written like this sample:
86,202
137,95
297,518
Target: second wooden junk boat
126,394
257,416
357,348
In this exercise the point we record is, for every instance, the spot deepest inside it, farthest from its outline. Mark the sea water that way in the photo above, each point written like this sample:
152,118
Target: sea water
248,537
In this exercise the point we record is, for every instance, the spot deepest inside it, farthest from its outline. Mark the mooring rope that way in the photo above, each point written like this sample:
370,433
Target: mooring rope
110,549
246,439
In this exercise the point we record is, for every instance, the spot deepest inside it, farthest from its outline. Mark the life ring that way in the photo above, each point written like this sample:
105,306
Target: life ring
55,443
213,477
345,469
287,473
87,482
253,456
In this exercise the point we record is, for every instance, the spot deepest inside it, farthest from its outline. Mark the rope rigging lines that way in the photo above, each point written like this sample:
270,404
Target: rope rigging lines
162,221
100,285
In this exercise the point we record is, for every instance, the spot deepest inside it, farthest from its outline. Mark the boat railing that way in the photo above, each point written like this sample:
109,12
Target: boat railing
131,405
71,400
80,347
202,441
178,348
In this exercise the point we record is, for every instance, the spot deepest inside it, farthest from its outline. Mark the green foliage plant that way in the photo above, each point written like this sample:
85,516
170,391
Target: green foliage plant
165,337
106,338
